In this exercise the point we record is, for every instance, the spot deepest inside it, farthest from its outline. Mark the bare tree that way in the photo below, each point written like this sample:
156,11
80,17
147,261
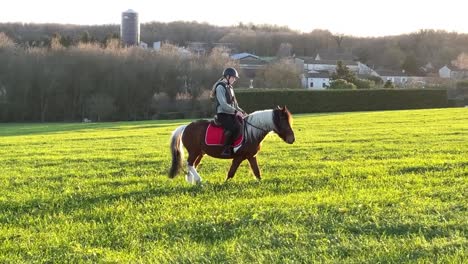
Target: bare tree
101,107
282,74
339,40
284,50
461,61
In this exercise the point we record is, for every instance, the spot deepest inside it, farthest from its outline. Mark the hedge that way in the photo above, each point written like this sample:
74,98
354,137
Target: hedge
307,101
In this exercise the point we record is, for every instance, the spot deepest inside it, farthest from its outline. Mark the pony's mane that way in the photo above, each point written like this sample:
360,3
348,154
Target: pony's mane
263,119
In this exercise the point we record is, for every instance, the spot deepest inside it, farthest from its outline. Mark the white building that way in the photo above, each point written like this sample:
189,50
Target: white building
316,80
143,45
453,72
157,45
317,71
396,77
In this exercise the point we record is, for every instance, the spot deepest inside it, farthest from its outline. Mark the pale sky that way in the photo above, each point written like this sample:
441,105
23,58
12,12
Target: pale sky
358,17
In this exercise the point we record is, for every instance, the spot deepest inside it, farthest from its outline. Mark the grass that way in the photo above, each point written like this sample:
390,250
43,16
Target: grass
369,187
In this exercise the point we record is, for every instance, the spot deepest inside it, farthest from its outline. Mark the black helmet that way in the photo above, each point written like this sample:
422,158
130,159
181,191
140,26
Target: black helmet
231,72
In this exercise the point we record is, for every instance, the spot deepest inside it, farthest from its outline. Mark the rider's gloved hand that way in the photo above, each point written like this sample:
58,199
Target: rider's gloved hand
240,114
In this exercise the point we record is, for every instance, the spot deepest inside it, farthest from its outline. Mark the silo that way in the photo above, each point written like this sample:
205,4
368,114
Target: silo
130,28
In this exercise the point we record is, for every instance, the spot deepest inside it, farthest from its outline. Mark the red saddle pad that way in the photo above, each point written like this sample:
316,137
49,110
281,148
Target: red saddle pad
215,136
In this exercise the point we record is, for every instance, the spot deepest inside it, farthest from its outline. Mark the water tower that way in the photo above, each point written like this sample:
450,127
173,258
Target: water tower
130,28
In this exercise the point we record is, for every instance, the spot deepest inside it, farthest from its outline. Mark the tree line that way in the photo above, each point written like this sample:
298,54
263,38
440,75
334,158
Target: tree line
96,82
408,51
111,82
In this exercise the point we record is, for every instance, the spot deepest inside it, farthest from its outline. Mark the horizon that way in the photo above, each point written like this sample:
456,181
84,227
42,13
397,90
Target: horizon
244,23
362,18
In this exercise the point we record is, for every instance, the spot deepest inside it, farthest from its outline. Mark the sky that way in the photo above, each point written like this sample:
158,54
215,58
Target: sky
365,18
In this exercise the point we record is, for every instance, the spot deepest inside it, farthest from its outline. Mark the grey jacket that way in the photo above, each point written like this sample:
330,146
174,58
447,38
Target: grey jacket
226,105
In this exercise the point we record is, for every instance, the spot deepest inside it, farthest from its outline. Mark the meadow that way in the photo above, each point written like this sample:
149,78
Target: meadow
361,187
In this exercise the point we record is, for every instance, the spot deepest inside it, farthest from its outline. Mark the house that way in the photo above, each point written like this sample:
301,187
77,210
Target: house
244,55
427,69
314,69
316,80
312,64
249,63
398,78
157,45
319,64
453,72
143,45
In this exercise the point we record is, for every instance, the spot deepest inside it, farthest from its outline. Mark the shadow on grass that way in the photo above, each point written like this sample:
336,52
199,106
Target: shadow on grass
10,211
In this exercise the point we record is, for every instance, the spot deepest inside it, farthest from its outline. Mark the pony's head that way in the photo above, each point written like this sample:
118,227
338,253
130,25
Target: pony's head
282,120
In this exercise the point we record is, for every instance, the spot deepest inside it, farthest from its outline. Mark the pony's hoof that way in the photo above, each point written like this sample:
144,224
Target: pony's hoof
189,178
197,182
228,179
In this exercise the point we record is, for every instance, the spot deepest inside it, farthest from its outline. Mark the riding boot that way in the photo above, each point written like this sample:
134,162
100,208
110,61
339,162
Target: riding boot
227,151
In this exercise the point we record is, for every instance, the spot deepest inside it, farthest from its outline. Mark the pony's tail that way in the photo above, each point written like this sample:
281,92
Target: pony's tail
176,151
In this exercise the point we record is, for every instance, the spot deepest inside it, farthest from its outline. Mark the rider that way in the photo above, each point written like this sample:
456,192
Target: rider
227,109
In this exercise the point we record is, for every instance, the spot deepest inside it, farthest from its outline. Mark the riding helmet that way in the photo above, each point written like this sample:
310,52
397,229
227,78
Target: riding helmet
231,72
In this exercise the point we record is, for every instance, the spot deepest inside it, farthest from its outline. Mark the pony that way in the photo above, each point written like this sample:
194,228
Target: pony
256,126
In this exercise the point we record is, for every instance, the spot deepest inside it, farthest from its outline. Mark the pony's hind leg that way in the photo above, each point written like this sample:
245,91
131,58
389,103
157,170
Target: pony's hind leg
192,175
197,161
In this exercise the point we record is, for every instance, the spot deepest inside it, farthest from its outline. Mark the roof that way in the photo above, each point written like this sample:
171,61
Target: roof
331,54
455,68
244,55
314,74
252,61
333,62
390,73
268,59
312,60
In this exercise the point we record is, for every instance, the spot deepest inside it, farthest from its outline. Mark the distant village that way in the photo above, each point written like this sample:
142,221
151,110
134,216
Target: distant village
315,72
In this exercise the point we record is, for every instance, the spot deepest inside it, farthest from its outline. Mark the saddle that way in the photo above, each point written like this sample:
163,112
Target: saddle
215,135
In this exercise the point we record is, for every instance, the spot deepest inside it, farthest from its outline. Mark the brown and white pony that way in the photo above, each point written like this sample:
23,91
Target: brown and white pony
257,126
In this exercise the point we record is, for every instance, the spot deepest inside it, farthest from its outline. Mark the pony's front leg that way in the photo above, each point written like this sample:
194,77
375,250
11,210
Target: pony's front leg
254,166
234,165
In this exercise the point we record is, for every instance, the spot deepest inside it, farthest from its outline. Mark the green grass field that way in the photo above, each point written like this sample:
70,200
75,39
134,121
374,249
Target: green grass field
367,187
